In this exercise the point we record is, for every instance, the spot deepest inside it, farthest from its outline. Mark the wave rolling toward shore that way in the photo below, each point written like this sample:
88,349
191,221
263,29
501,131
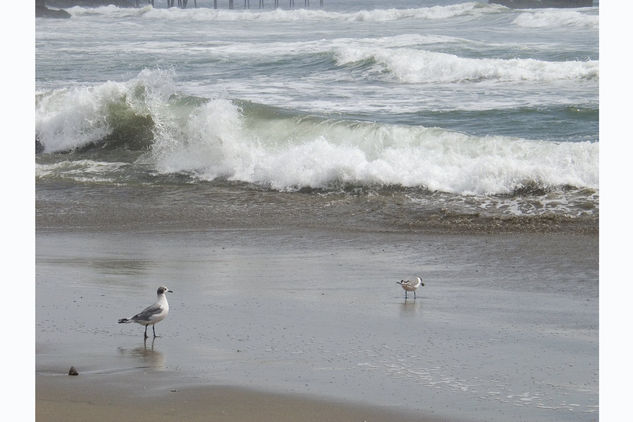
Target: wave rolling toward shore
145,130
412,105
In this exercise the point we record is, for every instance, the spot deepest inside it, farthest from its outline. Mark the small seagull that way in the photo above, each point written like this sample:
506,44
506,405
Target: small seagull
410,286
153,313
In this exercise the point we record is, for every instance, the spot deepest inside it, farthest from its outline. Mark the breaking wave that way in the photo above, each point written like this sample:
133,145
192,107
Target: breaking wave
219,138
557,18
419,66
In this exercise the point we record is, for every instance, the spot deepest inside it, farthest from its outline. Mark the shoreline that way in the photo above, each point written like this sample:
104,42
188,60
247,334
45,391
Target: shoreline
436,224
166,208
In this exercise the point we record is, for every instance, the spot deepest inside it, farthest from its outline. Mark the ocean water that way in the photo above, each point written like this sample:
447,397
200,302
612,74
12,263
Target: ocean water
433,107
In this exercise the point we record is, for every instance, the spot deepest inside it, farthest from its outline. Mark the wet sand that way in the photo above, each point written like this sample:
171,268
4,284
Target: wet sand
84,398
506,327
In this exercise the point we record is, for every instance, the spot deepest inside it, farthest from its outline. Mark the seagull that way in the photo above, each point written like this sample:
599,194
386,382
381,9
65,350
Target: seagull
153,313
410,286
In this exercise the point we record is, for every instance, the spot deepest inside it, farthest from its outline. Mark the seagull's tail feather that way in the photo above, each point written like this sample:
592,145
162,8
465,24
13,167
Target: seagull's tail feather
124,321
400,282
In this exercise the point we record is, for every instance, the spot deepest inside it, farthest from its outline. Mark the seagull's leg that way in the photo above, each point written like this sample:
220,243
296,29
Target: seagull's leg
406,295
146,331
154,329
415,296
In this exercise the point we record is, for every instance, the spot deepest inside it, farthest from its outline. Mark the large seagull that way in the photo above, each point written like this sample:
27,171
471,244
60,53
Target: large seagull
153,314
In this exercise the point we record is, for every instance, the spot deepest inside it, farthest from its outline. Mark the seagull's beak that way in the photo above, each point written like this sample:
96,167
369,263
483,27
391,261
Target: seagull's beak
170,291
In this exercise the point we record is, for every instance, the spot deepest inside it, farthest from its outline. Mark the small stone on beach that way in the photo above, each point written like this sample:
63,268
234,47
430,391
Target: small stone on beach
72,371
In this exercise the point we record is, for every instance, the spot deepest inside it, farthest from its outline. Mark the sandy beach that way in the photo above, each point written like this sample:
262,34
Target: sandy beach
274,322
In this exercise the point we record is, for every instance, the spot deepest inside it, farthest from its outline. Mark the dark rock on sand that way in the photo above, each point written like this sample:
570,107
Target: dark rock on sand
72,371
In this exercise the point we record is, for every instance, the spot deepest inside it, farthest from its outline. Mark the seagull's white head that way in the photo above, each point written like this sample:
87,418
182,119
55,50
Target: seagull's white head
163,289
420,280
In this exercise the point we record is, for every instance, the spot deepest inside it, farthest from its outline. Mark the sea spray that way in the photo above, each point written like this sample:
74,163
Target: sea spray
220,140
556,19
76,117
284,149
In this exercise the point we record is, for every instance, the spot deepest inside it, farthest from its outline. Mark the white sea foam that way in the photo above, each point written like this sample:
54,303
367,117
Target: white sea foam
557,18
73,117
286,15
434,12
321,46
80,170
292,153
109,10
218,139
70,118
421,66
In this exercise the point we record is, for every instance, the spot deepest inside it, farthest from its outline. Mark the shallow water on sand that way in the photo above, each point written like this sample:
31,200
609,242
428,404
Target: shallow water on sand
506,327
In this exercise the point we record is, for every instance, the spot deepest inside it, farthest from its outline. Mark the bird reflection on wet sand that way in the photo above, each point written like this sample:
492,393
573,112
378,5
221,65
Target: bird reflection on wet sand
409,309
150,357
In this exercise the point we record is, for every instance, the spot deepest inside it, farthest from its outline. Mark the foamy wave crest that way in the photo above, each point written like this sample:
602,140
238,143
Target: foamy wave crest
72,118
334,46
420,66
224,140
285,15
208,139
434,12
556,18
109,10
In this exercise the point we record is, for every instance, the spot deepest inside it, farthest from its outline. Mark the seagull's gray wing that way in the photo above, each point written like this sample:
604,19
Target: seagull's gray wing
147,313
